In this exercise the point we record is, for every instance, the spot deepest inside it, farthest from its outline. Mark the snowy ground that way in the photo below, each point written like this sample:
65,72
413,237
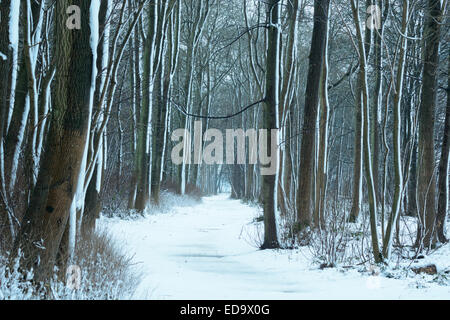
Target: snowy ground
203,252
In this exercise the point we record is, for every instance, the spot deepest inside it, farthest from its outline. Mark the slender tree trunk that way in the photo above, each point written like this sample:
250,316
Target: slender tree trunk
8,62
163,87
378,96
92,206
17,127
359,127
270,122
92,203
366,132
398,167
286,104
142,152
322,169
443,170
135,83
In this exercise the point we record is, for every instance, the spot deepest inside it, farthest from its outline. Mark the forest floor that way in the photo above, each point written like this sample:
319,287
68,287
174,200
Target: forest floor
206,251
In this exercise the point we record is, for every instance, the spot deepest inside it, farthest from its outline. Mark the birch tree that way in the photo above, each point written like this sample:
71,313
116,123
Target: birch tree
167,72
9,33
398,167
362,79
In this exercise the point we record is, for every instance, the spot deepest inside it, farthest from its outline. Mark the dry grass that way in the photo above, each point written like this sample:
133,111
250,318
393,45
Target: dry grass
107,272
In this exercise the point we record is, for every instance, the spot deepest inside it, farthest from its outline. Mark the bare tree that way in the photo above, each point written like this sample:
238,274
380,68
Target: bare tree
305,176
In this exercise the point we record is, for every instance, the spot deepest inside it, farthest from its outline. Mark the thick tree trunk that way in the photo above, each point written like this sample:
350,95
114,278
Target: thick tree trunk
52,200
318,42
443,171
426,181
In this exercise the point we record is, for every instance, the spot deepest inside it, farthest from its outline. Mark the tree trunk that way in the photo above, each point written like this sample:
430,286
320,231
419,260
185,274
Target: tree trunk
270,122
318,42
142,152
426,181
366,132
7,67
322,166
398,183
443,171
52,199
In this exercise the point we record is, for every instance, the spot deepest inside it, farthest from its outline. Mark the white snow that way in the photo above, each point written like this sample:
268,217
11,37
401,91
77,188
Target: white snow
205,252
78,202
14,45
14,16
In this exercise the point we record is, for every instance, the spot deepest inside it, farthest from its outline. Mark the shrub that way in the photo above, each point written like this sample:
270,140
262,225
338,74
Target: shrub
107,273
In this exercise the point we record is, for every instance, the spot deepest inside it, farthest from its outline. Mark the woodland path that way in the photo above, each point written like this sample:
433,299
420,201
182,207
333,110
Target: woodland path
207,252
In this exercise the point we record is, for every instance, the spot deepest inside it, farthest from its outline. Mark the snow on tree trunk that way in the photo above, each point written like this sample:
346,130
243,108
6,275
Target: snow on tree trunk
53,198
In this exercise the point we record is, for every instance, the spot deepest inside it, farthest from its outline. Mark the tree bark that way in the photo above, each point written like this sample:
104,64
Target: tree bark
270,121
52,199
6,85
443,171
398,182
426,180
142,152
318,42
366,132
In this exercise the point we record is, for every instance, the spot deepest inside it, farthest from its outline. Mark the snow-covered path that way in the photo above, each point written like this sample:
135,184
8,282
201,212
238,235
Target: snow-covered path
204,252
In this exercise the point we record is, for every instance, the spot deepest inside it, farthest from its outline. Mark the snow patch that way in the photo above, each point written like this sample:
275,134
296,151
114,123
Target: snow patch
200,252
